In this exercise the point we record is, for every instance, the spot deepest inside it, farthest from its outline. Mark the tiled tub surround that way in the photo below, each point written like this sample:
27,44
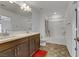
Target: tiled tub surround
55,50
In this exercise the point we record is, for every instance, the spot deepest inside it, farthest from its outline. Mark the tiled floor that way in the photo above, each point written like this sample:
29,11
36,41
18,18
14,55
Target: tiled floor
55,50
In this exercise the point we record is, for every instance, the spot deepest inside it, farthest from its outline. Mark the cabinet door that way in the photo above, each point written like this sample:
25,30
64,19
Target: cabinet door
32,45
37,42
8,53
22,50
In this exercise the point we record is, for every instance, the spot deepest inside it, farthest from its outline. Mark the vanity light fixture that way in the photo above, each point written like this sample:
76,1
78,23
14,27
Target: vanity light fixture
23,6
28,8
25,9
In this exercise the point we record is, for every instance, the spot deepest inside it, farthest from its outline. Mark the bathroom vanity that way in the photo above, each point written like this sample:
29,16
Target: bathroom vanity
20,45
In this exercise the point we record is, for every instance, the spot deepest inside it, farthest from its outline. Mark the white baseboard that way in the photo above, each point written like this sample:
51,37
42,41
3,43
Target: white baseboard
51,41
43,44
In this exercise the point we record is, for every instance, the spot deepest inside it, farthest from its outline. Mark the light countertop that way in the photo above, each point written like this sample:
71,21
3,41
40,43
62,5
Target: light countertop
16,36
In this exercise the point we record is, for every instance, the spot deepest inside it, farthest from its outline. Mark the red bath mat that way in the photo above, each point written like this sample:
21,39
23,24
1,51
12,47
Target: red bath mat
40,53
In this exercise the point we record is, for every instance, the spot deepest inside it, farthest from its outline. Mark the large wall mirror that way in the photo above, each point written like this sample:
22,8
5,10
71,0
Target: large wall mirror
12,18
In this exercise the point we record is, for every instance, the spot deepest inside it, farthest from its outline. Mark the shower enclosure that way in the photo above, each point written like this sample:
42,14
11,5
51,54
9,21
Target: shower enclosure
55,31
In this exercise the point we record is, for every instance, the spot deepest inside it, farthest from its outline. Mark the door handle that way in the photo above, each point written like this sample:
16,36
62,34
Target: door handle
77,39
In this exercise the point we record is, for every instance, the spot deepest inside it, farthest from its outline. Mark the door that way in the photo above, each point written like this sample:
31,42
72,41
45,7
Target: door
70,30
77,29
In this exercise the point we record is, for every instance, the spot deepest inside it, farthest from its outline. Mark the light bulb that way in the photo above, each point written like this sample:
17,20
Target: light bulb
11,1
28,8
24,5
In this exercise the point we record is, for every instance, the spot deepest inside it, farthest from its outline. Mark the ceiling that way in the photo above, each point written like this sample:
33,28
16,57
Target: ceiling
50,6
15,8
59,6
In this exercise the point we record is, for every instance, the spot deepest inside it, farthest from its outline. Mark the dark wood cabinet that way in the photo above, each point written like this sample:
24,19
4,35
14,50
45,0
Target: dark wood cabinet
22,50
8,53
22,47
34,44
37,42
